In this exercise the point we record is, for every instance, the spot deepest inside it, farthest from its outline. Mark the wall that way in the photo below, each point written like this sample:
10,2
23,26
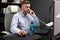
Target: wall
41,8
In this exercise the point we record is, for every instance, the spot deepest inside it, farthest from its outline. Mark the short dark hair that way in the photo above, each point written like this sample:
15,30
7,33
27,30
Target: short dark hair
24,2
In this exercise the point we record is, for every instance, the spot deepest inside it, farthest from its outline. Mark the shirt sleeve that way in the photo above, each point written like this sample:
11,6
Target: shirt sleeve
14,24
35,20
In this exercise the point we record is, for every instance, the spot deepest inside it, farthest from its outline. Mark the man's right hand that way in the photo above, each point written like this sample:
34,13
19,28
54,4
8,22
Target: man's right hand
22,33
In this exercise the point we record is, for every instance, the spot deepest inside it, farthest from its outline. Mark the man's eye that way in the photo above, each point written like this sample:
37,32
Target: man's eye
27,6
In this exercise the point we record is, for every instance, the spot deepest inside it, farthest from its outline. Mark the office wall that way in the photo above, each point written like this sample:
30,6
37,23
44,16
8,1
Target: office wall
41,8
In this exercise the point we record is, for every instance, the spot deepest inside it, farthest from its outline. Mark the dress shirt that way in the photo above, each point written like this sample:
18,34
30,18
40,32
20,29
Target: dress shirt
21,21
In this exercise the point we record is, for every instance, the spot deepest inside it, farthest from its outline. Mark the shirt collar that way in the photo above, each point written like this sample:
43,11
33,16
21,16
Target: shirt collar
22,14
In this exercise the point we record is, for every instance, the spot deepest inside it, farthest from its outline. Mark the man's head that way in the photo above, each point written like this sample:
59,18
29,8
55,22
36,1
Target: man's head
25,6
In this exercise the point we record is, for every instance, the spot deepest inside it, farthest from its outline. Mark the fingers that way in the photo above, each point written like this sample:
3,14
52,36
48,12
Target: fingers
30,10
22,33
25,32
32,13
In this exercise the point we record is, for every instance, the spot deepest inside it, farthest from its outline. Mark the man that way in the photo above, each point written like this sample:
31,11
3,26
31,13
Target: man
21,21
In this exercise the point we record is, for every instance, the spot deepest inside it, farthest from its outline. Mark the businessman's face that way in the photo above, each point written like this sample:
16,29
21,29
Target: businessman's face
25,7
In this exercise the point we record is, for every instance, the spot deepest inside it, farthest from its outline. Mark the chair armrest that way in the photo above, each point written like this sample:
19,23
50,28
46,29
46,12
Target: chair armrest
5,32
8,36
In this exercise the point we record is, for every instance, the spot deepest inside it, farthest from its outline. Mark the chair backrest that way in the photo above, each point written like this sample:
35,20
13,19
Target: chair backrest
9,15
8,18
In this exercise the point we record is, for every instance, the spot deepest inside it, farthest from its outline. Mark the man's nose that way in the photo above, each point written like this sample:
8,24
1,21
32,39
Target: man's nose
28,8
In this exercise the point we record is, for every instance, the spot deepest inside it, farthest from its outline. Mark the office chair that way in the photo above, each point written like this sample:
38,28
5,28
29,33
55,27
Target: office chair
9,12
8,16
7,35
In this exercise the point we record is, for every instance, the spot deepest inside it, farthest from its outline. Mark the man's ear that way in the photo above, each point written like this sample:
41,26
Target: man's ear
21,6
